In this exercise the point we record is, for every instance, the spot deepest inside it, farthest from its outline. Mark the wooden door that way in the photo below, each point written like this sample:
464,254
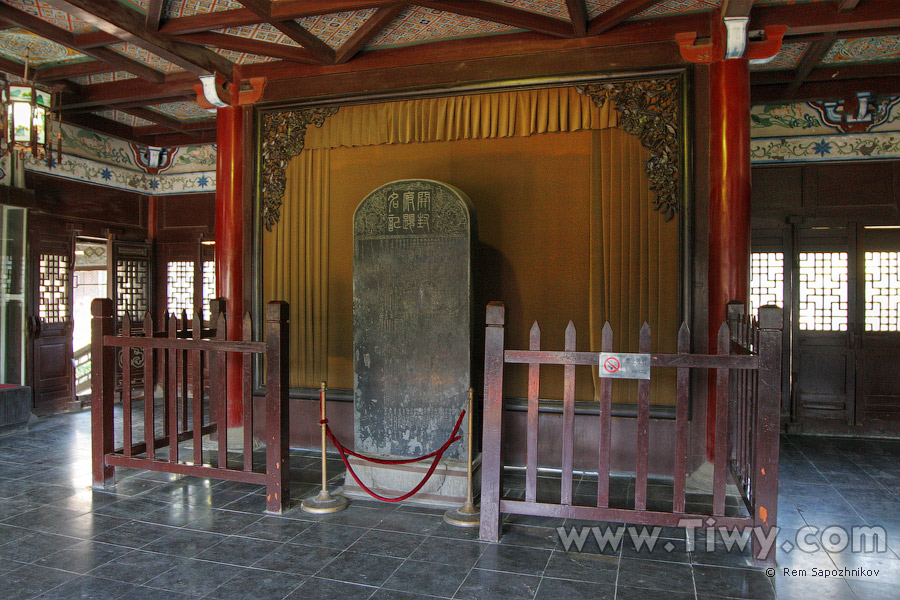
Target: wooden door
130,278
878,342
52,257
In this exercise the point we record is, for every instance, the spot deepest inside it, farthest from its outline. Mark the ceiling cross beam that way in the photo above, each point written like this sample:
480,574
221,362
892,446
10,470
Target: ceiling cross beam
154,14
158,118
59,35
372,27
618,14
293,30
503,14
579,16
813,55
130,26
240,44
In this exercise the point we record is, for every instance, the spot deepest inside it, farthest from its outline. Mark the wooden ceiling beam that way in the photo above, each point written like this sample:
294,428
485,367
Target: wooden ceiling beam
362,36
822,74
167,140
293,30
840,35
579,16
155,117
12,67
79,69
810,60
501,13
736,8
193,128
99,124
282,10
821,17
836,89
847,5
66,38
617,15
154,14
239,44
94,39
135,93
129,25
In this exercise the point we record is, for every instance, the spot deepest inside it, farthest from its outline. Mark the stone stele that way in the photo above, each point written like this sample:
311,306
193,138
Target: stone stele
412,334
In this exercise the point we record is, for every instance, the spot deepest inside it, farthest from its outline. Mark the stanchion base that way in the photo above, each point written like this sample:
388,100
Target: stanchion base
324,503
464,516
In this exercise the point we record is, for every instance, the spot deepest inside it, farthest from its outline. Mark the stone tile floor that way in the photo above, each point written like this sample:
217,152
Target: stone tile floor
167,537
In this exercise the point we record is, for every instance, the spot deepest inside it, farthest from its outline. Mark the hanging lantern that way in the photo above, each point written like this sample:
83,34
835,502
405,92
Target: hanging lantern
26,118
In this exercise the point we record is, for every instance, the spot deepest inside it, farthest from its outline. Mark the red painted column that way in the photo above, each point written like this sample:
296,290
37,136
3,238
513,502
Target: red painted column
230,241
729,202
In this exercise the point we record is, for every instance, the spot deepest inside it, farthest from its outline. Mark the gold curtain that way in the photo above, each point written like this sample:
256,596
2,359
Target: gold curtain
634,259
295,263
566,218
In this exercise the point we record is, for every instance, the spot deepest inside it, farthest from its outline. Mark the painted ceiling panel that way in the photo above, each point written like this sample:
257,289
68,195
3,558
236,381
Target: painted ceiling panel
241,58
262,32
674,7
101,78
52,15
143,56
183,111
336,28
596,7
788,58
417,24
187,8
864,49
121,117
140,5
551,8
18,44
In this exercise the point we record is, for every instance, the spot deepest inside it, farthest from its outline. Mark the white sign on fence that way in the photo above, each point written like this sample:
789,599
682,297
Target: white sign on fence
620,365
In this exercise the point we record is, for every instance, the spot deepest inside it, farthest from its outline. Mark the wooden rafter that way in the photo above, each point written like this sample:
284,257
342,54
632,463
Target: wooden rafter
813,55
578,14
129,25
282,10
95,39
158,118
293,30
617,15
12,67
363,35
239,44
821,17
61,36
737,8
835,88
79,69
154,14
847,5
136,93
501,13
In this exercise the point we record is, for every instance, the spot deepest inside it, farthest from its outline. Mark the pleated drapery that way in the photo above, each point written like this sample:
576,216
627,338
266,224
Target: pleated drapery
606,254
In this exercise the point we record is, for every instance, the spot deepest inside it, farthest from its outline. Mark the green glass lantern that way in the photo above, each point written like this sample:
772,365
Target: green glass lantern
26,113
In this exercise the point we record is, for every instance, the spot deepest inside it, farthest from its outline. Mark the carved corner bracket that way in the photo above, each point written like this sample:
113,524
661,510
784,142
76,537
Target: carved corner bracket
283,138
649,109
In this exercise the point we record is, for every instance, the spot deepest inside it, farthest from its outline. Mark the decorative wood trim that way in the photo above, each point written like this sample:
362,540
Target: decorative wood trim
283,137
649,109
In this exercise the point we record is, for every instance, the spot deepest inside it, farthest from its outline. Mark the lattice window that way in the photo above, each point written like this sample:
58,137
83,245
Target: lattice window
766,280
132,283
53,288
882,291
823,291
209,285
180,287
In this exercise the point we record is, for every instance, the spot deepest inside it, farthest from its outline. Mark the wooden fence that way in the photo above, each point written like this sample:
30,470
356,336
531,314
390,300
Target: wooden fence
194,400
747,368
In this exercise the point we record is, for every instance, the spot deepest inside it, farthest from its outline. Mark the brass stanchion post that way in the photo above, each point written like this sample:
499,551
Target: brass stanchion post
324,502
466,515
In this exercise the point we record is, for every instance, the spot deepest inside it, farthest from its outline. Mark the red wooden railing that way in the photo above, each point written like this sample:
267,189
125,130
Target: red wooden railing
748,378
194,400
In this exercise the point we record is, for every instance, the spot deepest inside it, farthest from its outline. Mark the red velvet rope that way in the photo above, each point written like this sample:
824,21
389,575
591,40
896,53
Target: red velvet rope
436,454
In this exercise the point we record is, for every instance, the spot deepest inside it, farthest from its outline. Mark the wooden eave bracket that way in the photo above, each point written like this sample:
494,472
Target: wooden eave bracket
763,49
217,93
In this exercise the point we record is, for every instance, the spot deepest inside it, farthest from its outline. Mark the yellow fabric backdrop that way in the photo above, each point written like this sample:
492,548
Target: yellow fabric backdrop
561,217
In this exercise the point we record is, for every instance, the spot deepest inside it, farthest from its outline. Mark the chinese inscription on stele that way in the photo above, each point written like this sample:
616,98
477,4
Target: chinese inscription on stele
412,316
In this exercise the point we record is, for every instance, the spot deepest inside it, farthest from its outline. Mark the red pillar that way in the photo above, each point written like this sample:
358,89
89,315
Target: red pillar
729,202
230,241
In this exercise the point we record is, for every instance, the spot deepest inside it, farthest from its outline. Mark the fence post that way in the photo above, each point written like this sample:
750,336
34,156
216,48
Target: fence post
491,465
278,465
767,421
103,364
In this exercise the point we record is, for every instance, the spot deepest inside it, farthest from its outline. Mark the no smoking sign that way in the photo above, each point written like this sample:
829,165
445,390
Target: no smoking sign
619,365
